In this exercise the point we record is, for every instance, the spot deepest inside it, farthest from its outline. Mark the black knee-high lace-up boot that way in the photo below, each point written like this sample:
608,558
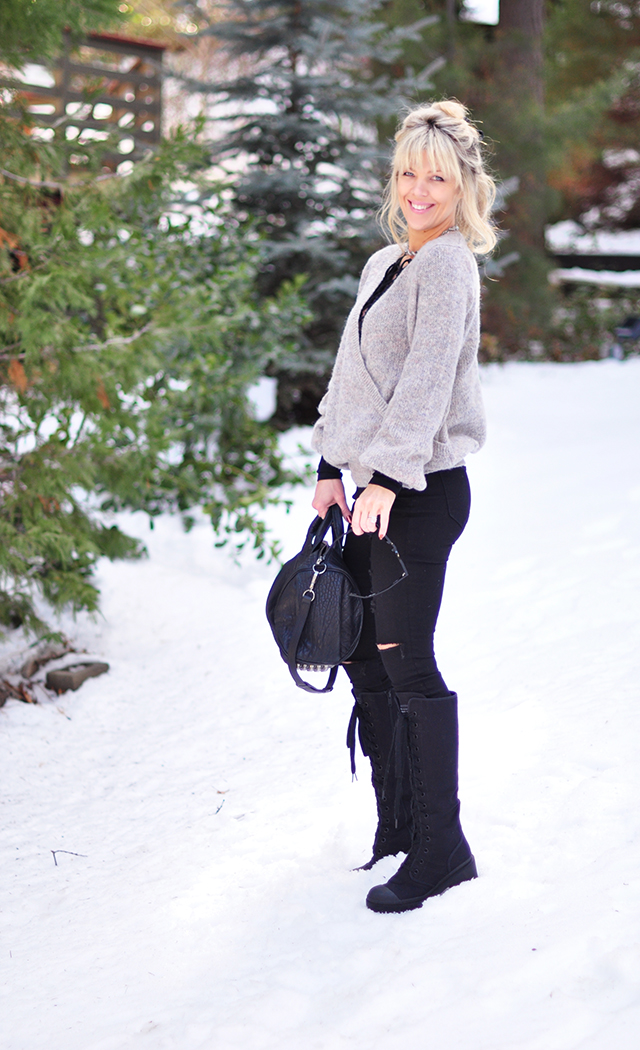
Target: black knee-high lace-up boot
439,857
376,715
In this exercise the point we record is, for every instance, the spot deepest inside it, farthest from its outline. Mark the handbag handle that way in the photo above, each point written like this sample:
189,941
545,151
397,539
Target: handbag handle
292,664
320,526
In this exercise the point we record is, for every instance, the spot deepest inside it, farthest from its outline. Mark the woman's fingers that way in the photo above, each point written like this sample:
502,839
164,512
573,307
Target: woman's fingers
329,492
384,518
344,507
371,511
363,519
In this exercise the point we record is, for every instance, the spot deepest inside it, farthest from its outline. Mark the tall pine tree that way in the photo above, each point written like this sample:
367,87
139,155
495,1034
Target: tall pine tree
593,97
300,120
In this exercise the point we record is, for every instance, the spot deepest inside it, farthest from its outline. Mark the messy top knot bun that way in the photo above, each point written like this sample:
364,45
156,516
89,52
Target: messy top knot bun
449,107
453,145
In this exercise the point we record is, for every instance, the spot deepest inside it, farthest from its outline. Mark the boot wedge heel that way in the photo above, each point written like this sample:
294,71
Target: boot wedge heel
383,899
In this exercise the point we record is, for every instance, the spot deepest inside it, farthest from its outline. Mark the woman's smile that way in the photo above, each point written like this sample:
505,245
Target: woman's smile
427,200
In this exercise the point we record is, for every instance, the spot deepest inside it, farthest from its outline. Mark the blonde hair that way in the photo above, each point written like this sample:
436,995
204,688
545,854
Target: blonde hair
441,132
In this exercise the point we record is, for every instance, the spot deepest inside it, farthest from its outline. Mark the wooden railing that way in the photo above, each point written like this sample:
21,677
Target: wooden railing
107,86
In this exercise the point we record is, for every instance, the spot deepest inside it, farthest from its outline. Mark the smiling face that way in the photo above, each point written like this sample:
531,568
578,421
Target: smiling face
427,199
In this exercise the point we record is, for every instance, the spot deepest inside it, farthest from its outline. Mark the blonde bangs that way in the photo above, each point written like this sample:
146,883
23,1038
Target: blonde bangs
438,151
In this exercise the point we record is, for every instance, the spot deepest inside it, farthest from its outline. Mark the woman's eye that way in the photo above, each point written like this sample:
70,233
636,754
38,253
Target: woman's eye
407,173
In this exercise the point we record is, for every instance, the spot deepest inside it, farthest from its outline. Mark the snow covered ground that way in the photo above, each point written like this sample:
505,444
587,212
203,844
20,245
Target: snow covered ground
207,899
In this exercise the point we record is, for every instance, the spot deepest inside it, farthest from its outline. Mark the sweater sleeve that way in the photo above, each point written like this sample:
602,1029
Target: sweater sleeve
385,482
442,292
327,472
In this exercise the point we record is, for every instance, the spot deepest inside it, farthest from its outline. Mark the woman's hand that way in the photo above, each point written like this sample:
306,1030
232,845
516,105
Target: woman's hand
328,492
373,504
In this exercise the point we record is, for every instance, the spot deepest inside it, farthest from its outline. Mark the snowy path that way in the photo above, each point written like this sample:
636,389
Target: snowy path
184,926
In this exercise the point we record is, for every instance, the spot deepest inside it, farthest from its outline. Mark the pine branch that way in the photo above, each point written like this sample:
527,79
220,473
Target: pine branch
116,340
46,184
4,356
16,277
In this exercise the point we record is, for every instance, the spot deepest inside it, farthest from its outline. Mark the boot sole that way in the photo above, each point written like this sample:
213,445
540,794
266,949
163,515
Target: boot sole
464,873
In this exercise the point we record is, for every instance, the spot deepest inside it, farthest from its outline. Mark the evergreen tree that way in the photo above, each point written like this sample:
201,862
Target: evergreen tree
302,123
593,99
129,334
31,30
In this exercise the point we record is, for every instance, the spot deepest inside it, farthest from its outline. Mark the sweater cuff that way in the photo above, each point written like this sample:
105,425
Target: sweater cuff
386,482
327,472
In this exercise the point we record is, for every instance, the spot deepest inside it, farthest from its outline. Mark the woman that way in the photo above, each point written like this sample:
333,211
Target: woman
402,411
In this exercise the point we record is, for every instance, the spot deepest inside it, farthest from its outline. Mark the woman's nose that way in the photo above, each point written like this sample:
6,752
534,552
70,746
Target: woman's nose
423,187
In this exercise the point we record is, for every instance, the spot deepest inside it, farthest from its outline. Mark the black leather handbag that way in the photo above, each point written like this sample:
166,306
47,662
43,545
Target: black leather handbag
314,606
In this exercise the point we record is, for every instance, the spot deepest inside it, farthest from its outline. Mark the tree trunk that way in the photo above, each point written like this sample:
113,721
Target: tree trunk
521,79
522,23
518,308
452,17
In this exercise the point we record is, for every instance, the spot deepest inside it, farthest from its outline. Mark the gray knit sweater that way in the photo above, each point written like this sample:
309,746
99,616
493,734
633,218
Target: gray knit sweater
407,401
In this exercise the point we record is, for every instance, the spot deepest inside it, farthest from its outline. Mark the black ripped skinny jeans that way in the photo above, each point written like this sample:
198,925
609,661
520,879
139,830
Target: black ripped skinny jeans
424,526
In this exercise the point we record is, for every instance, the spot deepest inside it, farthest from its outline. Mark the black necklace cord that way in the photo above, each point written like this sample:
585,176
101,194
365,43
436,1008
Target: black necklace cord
392,272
